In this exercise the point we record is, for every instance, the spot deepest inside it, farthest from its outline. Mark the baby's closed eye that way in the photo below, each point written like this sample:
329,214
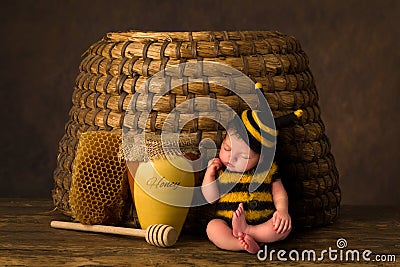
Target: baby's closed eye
226,148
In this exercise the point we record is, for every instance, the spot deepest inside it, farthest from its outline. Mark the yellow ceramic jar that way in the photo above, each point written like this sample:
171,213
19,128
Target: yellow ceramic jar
163,191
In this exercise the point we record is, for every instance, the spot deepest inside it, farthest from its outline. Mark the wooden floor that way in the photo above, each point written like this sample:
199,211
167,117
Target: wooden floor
26,239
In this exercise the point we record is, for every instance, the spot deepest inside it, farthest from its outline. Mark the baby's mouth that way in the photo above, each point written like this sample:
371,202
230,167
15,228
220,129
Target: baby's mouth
230,165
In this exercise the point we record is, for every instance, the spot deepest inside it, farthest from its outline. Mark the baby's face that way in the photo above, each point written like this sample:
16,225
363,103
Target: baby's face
236,155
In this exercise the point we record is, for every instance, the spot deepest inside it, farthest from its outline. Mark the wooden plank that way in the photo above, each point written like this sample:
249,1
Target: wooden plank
26,239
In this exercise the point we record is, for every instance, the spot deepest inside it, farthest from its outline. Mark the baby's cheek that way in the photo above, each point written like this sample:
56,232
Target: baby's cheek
241,166
224,156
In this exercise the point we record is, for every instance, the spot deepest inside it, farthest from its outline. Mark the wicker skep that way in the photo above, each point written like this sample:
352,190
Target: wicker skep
119,69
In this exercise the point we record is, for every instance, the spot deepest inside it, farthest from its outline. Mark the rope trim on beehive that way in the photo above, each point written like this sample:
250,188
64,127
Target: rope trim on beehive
148,146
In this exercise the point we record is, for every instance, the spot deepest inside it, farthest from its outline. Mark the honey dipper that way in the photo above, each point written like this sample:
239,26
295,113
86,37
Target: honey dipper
159,235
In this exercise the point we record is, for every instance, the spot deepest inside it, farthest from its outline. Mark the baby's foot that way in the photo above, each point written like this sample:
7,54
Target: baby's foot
248,243
239,224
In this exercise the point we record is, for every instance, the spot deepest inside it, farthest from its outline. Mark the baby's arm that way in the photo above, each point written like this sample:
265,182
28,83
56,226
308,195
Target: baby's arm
210,189
281,219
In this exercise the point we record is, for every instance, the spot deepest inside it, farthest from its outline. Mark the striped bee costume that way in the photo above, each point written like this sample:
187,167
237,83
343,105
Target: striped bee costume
258,205
259,134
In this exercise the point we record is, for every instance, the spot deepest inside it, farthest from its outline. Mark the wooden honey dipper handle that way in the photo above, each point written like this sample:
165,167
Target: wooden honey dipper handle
159,235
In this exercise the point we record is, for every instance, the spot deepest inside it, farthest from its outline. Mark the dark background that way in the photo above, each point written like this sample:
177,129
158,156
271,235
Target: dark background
353,47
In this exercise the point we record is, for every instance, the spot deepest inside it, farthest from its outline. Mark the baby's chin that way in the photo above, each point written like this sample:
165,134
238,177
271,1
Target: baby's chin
230,169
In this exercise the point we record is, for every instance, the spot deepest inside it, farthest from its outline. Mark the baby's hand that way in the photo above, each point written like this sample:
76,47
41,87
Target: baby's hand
213,166
281,222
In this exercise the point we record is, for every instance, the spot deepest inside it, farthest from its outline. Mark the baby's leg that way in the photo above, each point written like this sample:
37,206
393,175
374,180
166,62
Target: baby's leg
221,235
265,232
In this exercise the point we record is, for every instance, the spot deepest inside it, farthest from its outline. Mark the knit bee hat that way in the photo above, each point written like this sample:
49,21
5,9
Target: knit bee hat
259,130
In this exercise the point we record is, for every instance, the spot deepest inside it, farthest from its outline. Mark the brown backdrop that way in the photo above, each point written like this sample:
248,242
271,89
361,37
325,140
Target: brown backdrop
353,47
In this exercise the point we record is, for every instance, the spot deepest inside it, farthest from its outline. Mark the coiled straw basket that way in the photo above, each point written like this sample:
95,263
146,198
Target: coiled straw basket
114,70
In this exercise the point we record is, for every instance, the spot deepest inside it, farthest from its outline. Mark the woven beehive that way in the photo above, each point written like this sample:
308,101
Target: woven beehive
119,69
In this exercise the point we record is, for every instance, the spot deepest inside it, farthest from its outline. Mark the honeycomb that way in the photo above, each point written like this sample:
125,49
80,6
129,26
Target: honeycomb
99,184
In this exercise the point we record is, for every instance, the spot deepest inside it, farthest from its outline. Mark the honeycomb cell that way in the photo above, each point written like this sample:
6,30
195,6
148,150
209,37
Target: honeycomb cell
99,184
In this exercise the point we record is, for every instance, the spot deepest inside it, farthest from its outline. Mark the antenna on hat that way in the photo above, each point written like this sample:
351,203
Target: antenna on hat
286,120
263,105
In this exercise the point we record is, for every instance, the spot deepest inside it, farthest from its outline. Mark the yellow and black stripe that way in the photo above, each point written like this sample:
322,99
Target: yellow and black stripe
260,130
258,205
254,126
